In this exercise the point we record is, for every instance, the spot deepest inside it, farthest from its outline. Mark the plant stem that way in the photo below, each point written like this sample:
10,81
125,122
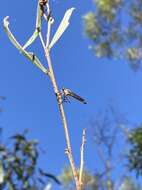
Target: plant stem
63,117
82,157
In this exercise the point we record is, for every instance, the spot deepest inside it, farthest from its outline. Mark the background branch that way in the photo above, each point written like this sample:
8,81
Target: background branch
82,157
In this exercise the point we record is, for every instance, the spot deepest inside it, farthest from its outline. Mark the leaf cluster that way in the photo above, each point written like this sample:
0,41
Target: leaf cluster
18,165
135,152
90,181
111,28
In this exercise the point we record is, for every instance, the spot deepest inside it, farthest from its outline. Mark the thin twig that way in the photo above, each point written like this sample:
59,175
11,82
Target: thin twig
42,41
60,105
50,22
82,157
61,109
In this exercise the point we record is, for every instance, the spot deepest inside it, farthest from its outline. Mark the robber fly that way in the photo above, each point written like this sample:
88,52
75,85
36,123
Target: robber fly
67,92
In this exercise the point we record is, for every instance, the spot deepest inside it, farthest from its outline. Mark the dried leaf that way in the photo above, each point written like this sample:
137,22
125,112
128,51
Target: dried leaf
62,27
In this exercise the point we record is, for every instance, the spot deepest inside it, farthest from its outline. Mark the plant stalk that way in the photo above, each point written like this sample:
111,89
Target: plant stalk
64,121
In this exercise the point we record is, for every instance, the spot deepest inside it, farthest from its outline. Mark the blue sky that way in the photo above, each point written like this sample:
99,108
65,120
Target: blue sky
30,99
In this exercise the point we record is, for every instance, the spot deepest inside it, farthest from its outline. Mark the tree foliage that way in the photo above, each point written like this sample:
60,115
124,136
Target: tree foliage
128,184
90,181
95,182
18,165
115,29
135,152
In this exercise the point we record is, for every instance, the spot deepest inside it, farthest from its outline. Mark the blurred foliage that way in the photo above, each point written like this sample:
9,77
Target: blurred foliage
128,184
18,165
135,152
90,181
95,182
115,27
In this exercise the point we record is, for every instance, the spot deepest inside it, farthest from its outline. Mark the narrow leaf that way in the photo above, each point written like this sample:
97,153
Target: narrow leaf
32,39
38,17
62,27
30,56
38,28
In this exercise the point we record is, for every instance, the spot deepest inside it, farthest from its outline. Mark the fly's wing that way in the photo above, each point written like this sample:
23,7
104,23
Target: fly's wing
77,97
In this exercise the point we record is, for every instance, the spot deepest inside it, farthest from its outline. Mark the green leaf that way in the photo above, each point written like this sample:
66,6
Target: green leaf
62,27
28,55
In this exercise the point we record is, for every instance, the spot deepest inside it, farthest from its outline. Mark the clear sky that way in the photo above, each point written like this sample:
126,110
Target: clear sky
30,99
